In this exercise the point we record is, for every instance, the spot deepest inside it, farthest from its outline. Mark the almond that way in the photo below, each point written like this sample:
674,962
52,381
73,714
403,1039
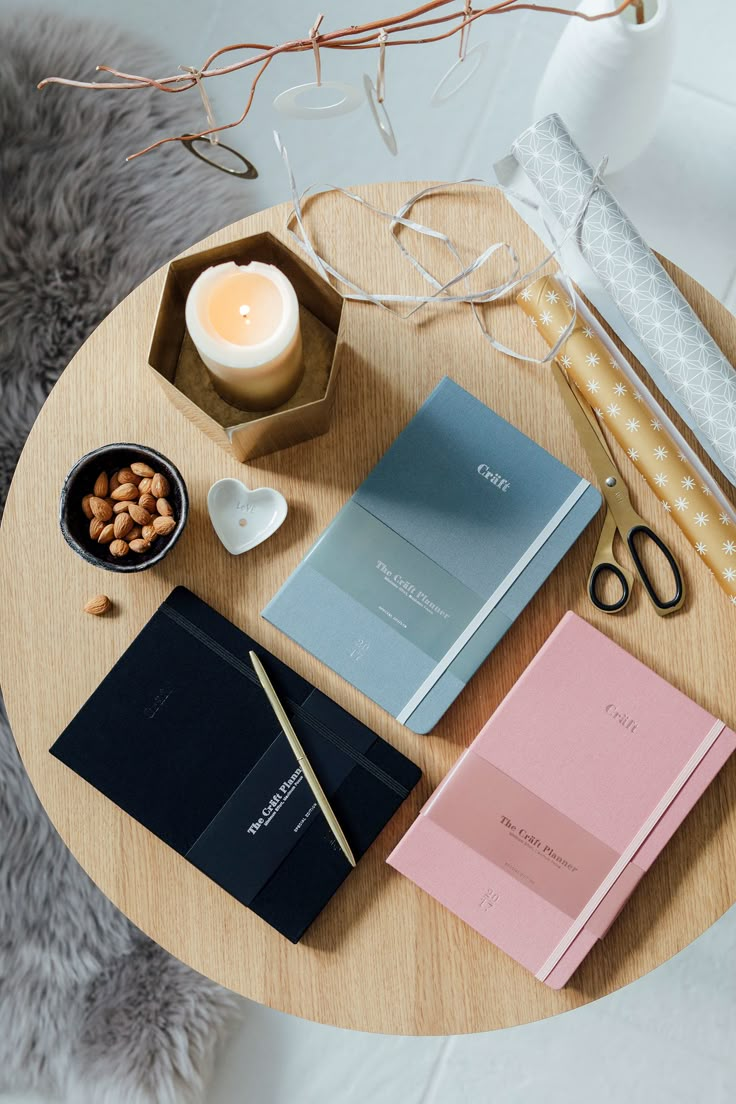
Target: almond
100,508
95,528
144,486
164,507
139,545
143,470
127,475
149,533
114,482
119,548
148,502
164,525
86,508
107,534
120,507
123,525
98,605
138,514
135,533
101,485
159,486
126,492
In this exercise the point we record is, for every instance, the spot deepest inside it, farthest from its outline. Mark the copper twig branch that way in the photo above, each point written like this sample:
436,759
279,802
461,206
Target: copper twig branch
366,36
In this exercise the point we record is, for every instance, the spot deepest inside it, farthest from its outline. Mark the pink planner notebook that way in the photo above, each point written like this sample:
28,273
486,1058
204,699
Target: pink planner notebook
542,829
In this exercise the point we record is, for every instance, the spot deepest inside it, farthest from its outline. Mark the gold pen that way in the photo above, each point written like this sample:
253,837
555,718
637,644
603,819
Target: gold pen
301,758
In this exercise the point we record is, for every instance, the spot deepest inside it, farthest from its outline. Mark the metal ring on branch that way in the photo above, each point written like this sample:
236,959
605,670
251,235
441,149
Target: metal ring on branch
467,69
380,115
249,172
342,98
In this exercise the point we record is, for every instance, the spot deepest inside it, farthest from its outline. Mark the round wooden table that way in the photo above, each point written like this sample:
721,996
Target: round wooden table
383,956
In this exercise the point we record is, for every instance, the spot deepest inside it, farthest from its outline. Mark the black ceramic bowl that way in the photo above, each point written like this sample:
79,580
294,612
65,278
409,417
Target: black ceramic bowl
80,481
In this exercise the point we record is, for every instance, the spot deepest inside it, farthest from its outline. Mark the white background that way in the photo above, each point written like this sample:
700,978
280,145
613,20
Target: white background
669,1037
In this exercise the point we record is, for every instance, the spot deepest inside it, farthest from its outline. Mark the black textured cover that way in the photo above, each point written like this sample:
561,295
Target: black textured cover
182,737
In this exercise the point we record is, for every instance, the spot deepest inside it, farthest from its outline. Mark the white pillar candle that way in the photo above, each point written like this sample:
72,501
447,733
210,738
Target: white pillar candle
244,322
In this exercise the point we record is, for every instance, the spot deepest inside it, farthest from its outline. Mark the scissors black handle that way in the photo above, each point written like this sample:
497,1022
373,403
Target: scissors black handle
615,570
661,605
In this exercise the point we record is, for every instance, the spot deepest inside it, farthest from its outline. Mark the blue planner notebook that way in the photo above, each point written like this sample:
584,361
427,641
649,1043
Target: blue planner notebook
438,551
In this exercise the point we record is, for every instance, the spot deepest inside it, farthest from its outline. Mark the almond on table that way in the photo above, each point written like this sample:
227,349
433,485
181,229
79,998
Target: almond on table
98,605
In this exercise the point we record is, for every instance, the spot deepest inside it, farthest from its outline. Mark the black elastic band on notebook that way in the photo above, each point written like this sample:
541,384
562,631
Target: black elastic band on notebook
245,669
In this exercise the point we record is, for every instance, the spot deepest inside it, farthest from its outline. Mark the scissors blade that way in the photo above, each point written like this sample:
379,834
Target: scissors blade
589,413
591,437
616,494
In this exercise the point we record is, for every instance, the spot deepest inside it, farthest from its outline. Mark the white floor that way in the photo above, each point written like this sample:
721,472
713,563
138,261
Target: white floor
670,1036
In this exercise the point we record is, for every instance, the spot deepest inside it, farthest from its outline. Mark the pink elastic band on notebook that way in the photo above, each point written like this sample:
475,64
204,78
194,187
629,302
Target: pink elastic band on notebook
579,923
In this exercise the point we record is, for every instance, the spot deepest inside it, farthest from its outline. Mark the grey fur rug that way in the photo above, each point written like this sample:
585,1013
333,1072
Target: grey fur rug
90,1009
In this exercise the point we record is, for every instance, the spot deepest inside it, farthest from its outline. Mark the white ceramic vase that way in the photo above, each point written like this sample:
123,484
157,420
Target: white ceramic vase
608,79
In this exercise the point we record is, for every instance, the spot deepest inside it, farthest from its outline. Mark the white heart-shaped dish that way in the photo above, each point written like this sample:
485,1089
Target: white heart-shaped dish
243,518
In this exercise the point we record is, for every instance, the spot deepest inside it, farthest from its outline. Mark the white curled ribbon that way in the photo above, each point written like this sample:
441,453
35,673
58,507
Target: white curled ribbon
442,292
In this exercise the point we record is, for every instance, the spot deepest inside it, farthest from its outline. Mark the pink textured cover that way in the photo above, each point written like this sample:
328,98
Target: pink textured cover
551,792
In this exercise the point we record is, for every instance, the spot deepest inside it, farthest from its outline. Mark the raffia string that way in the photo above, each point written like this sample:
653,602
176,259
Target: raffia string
314,36
441,293
196,75
465,30
381,72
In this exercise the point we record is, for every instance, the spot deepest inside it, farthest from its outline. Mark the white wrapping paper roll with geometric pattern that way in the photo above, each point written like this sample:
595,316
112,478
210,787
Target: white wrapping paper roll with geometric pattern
695,368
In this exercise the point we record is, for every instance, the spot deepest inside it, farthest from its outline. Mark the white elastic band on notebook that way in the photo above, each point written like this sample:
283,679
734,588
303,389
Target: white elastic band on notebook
439,670
578,924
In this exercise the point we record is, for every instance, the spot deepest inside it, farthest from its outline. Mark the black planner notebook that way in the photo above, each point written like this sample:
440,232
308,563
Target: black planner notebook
181,736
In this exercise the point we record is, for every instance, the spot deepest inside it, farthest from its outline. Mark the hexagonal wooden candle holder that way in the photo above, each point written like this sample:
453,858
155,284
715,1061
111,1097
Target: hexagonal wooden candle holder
185,379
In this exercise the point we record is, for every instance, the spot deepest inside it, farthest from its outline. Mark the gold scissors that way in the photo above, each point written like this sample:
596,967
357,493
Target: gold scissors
621,516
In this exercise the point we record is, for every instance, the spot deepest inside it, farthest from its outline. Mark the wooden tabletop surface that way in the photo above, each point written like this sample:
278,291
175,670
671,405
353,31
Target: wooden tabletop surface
383,956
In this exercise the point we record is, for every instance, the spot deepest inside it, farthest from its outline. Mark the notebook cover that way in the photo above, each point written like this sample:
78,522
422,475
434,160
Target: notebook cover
435,555
181,736
552,792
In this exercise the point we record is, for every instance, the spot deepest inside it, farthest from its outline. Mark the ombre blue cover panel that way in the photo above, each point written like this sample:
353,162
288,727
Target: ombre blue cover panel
433,558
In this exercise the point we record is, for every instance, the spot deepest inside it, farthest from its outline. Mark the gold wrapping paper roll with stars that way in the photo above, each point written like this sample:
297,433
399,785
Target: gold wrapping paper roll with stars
619,407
